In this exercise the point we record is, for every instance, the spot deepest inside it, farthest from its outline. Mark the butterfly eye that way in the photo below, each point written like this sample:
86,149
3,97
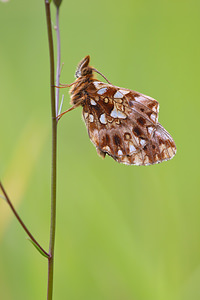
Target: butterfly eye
86,71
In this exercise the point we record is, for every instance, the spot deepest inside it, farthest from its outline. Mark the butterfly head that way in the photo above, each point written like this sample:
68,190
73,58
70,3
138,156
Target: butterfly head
83,68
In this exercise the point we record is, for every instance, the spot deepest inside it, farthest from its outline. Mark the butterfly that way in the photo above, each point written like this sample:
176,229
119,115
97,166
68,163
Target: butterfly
121,123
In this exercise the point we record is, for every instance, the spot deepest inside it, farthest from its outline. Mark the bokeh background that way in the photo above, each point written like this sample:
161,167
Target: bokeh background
123,232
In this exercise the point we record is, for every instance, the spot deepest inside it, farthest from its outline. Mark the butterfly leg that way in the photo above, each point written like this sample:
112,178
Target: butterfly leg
71,108
64,85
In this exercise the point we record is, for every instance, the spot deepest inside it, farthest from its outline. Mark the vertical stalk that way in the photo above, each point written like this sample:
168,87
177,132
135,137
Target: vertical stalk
58,58
54,152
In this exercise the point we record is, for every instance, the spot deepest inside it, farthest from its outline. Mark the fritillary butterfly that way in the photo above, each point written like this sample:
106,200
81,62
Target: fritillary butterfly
121,123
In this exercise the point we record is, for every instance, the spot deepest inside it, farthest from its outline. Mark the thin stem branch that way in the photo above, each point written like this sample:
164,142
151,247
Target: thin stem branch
54,155
20,221
58,58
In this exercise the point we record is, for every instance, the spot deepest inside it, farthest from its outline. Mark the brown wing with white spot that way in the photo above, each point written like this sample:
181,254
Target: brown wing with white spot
124,124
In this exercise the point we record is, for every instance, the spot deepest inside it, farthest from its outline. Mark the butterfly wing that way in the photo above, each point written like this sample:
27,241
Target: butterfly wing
124,124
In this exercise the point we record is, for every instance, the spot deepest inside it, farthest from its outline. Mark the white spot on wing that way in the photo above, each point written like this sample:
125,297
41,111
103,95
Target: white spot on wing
93,102
121,115
85,115
91,118
102,91
103,119
120,152
150,130
153,117
132,148
117,114
98,84
114,113
118,94
124,92
139,98
142,142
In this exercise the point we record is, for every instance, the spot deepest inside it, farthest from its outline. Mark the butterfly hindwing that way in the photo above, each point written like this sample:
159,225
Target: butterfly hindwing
121,123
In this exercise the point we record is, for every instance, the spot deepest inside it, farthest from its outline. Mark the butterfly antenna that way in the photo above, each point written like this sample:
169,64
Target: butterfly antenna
101,75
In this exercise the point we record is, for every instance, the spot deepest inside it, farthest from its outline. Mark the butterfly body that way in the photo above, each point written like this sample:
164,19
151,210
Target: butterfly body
121,123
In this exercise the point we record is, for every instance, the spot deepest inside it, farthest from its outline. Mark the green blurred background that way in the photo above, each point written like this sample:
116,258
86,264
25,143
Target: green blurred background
123,232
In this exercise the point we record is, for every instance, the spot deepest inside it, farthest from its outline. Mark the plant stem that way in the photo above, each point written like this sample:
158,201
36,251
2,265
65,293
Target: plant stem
54,152
58,59
21,222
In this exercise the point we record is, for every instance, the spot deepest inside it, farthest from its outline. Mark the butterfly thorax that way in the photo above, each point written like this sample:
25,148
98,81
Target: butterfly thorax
85,77
80,87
